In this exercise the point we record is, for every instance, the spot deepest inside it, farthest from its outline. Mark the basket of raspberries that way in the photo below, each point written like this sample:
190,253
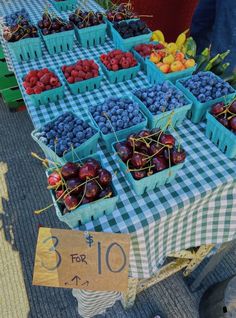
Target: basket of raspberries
57,34
67,138
117,117
43,86
127,34
64,5
144,50
163,104
221,127
83,76
149,159
90,29
204,89
82,191
119,66
22,36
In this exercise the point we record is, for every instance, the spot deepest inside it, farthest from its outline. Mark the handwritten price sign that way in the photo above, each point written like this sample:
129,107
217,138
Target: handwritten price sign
74,259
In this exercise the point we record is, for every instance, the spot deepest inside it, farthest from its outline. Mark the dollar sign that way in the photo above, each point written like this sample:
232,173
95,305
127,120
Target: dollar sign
89,239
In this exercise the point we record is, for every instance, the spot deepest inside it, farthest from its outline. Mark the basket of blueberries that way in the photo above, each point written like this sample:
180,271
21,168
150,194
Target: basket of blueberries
161,103
204,89
117,117
127,34
67,138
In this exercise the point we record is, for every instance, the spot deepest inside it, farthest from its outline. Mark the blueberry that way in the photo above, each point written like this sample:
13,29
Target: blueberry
104,130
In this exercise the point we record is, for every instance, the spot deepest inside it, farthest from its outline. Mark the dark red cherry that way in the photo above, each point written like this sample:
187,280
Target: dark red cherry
124,151
104,177
69,170
138,160
223,121
159,163
87,171
232,108
138,175
156,149
73,186
71,202
94,163
177,156
144,133
167,139
217,108
133,142
60,194
92,190
107,192
232,123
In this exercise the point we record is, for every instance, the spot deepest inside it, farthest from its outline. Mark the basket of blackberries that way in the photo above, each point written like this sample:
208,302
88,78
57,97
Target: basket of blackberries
64,5
82,191
22,36
149,159
83,76
204,89
90,28
43,86
57,33
119,66
67,138
127,34
163,104
221,127
117,117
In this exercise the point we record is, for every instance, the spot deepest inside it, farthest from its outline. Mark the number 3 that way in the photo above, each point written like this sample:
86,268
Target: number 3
51,250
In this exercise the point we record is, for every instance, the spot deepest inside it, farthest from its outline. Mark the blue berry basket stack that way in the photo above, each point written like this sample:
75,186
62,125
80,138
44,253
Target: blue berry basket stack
161,101
204,89
156,76
126,42
84,137
87,212
125,118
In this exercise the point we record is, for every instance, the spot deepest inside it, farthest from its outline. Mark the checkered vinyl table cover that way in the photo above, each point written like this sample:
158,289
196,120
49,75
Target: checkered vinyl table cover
197,208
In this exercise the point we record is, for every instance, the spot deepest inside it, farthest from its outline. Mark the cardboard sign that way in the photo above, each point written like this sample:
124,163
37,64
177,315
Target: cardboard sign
84,260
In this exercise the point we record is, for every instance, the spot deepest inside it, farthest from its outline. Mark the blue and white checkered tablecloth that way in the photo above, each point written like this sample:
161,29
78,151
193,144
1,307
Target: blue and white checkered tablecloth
199,207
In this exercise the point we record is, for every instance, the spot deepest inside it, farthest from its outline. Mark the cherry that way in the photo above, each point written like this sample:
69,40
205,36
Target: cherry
124,151
138,160
87,171
217,108
156,149
132,142
232,123
60,195
54,179
107,192
159,163
139,174
177,156
69,170
92,190
104,177
232,107
73,184
224,121
86,200
94,163
144,133
71,202
167,140
143,149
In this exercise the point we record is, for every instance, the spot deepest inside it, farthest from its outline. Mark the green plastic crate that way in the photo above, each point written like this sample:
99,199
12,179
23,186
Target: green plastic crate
12,97
87,212
4,69
2,56
8,81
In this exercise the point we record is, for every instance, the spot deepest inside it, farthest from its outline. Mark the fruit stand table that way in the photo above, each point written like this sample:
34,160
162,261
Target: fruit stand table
197,209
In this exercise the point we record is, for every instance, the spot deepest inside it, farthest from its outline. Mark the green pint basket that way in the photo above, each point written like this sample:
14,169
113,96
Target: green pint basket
222,137
91,36
59,42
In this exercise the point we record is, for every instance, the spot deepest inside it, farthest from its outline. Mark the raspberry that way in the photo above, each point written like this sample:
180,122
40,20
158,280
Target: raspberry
45,70
95,73
63,68
32,73
85,68
29,91
74,73
37,90
47,87
82,74
26,85
67,74
125,64
53,81
70,80
69,69
94,66
114,61
45,79
58,84
115,67
33,80
86,62
78,79
40,73
41,85
89,75
78,67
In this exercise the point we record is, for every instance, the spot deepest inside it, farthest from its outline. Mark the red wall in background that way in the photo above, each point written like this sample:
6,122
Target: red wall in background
170,16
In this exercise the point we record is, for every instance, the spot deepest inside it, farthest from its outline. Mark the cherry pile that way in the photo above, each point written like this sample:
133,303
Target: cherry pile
52,24
122,12
225,114
23,29
38,81
149,152
77,184
84,19
80,71
147,48
129,29
118,60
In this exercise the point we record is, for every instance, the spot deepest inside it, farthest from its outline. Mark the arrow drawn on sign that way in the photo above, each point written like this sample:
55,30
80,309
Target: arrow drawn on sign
76,279
86,283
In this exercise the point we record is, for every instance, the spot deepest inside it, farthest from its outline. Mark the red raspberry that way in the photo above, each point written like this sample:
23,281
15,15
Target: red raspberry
128,54
26,85
74,73
63,68
95,73
45,70
85,68
58,84
53,80
78,79
94,66
78,67
115,52
70,80
47,87
29,91
67,74
125,64
86,62
45,79
89,75
115,67
37,90
41,85
70,68
82,74
103,57
32,73
114,61
33,80
40,73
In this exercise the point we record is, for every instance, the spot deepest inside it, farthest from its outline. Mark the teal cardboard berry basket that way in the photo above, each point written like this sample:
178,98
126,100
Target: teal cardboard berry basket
198,110
50,96
161,119
91,36
128,44
85,86
120,75
148,183
26,49
87,148
110,138
67,5
59,42
87,212
156,76
222,137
